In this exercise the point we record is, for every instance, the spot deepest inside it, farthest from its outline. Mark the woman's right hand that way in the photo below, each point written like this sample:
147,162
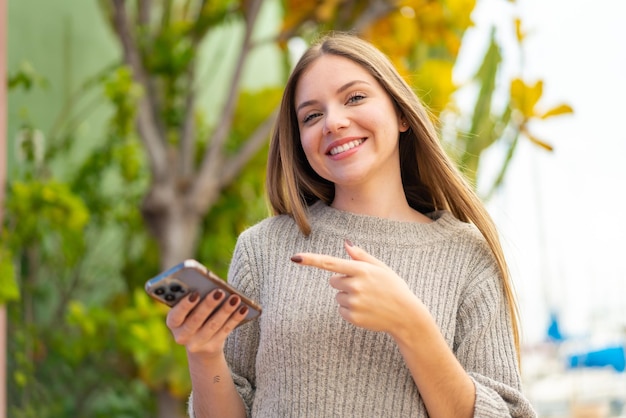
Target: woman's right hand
203,325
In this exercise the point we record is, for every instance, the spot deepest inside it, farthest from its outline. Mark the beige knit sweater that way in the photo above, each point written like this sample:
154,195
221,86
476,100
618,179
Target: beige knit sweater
302,360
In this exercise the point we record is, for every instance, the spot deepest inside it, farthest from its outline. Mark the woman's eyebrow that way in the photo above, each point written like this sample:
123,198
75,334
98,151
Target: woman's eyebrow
350,84
339,90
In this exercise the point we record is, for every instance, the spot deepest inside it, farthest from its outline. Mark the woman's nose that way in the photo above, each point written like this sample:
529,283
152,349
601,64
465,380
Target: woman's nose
335,120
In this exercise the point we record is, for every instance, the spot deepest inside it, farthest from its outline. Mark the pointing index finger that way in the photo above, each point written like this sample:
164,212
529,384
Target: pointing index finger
325,262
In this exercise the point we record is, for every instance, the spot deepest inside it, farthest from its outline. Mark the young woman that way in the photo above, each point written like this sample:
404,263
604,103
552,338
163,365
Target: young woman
384,289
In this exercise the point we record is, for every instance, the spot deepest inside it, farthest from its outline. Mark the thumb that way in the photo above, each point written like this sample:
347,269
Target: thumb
359,254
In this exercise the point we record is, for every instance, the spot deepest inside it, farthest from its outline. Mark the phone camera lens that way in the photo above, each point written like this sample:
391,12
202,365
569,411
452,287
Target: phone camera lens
169,297
159,291
176,288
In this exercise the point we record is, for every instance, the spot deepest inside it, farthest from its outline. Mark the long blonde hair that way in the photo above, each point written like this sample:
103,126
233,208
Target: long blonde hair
431,180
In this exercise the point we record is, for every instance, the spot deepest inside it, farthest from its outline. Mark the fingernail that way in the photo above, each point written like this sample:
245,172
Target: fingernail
349,243
193,296
296,259
243,310
234,301
218,294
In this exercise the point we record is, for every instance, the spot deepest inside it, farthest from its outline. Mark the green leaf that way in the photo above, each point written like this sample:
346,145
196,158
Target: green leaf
8,286
482,131
486,77
26,77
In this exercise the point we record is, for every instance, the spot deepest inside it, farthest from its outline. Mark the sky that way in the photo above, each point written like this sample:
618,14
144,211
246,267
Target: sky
561,214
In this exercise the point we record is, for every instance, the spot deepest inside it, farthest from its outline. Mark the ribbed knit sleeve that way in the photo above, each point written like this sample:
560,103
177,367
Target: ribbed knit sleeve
242,344
484,343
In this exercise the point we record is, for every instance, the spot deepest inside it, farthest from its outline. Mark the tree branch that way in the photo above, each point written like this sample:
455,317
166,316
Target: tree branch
187,134
167,15
143,21
143,12
374,11
221,133
146,120
252,145
212,159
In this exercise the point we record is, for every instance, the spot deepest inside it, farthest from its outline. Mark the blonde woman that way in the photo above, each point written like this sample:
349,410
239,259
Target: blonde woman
384,289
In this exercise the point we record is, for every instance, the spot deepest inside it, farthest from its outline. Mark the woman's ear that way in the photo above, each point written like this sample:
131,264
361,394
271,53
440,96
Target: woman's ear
404,125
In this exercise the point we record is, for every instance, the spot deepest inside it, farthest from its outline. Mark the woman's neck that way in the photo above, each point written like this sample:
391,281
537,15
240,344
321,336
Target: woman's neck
382,202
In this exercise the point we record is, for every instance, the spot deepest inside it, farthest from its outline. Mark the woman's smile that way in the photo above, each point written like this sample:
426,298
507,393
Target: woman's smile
342,148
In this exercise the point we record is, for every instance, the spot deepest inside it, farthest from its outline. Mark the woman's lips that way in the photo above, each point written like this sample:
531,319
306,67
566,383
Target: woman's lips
338,149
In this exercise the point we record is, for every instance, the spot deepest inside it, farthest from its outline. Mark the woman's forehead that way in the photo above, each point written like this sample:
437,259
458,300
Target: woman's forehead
332,68
330,72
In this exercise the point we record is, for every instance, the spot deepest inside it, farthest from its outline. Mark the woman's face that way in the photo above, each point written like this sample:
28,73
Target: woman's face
349,127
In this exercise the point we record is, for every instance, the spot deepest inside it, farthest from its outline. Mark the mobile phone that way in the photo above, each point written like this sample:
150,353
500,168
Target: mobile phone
172,285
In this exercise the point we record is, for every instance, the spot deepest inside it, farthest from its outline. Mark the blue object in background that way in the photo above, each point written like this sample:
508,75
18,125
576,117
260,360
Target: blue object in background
611,356
554,331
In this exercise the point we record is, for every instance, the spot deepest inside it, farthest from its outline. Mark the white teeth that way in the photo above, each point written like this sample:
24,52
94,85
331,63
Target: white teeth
346,147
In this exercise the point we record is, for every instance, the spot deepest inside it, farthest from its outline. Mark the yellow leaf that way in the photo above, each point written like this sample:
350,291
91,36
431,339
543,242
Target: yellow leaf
557,110
524,97
435,83
460,14
326,10
518,30
432,21
539,142
452,42
396,35
296,12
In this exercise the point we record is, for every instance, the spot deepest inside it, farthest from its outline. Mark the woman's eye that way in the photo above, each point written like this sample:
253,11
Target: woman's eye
355,98
310,117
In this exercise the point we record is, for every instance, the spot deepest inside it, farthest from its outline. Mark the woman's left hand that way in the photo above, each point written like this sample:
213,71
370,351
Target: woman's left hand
369,293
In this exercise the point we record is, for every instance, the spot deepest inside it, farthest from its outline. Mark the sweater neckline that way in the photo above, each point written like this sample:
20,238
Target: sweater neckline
361,228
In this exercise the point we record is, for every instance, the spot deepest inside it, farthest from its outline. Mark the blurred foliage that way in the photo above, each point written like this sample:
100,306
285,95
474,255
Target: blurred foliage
85,340
8,287
65,335
26,78
241,204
